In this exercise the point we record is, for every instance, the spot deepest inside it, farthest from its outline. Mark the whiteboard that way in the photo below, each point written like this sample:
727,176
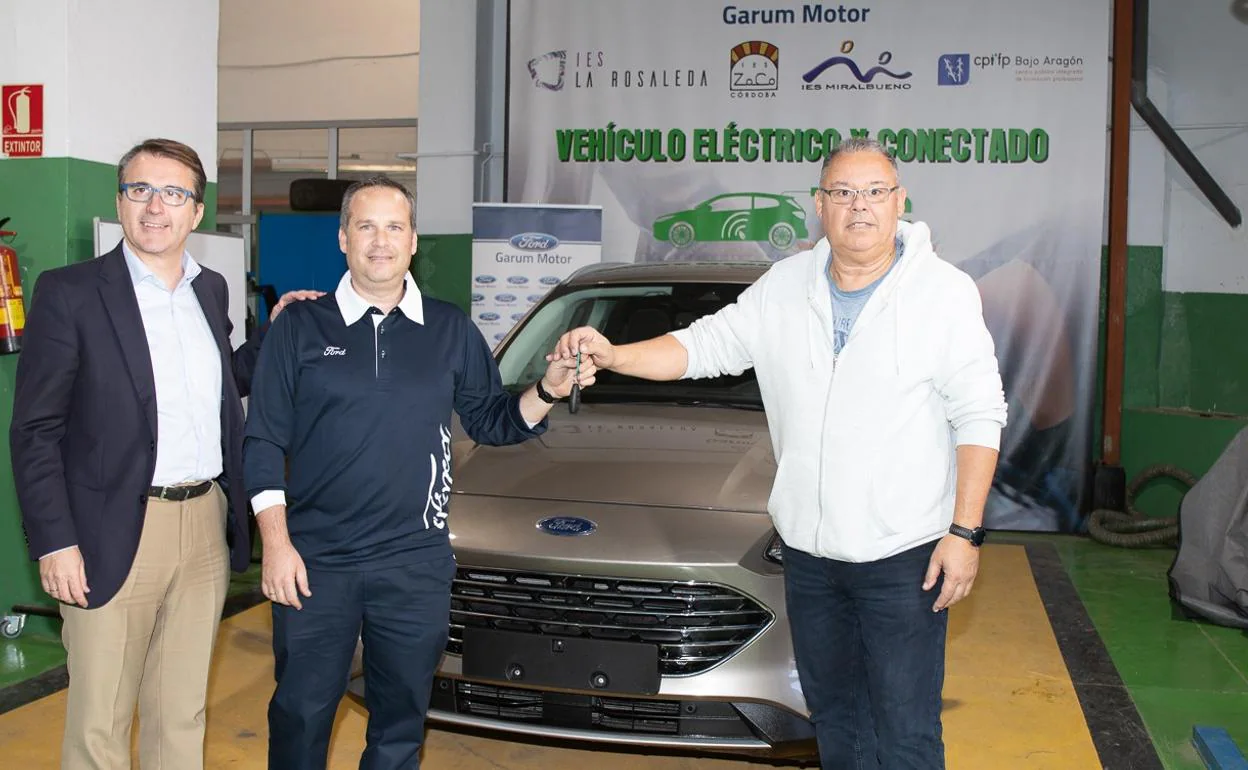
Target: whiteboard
223,252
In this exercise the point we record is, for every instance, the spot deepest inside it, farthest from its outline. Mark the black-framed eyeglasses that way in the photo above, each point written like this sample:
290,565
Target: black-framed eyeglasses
142,192
843,196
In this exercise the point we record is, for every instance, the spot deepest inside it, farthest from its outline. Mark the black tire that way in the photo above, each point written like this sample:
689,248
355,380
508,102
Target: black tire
317,194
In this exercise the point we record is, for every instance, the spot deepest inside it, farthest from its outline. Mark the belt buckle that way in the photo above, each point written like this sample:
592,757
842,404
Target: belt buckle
181,493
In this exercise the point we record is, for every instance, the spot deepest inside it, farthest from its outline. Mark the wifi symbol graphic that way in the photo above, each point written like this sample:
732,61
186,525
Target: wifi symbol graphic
735,227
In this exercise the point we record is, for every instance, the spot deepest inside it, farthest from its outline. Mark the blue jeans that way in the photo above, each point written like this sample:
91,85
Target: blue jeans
870,658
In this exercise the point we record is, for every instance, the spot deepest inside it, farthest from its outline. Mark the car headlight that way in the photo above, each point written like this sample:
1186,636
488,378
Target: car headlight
774,552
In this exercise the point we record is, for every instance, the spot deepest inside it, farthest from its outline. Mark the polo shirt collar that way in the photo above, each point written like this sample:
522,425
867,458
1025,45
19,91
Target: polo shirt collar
353,307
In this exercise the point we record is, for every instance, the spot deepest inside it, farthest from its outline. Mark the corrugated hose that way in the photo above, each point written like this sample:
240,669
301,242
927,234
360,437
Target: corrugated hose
1133,529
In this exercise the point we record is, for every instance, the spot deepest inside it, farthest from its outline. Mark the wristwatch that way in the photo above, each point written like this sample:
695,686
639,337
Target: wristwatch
976,536
544,394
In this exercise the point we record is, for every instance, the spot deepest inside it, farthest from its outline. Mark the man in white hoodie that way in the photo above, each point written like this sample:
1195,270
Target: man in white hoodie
885,408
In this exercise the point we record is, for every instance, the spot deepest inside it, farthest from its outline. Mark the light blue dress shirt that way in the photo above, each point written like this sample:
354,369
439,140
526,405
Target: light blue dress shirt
186,364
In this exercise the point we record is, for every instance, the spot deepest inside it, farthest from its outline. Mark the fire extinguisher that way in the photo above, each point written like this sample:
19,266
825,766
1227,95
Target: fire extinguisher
12,311
19,108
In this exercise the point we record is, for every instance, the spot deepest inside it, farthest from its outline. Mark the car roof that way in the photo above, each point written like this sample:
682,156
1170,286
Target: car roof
688,272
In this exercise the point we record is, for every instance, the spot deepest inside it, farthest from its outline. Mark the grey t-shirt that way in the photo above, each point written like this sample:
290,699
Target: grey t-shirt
846,305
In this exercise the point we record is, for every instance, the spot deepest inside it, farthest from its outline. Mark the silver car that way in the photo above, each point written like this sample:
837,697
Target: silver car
619,579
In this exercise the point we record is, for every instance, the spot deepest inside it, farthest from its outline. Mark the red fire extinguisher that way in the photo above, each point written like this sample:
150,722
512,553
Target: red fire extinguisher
12,311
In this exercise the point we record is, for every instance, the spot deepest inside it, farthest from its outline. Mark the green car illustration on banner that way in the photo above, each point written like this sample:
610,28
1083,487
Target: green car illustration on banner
777,219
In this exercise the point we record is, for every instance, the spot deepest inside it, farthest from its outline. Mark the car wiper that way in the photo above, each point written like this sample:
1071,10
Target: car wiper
746,404
665,399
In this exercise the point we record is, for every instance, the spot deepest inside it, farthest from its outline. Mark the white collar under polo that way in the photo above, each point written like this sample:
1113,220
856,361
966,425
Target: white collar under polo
353,307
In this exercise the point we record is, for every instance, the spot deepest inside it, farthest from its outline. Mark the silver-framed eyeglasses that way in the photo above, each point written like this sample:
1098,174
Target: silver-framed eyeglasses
843,196
142,192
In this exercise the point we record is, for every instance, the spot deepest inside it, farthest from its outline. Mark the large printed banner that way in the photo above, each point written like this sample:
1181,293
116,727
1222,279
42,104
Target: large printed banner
699,127
519,252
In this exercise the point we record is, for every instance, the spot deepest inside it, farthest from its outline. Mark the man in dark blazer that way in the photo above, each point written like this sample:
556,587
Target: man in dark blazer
126,442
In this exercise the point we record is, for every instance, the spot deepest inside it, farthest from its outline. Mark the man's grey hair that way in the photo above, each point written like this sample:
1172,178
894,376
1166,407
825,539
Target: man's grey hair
857,144
380,180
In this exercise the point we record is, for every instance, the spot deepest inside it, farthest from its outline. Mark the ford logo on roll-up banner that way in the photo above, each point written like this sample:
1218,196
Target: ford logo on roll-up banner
534,241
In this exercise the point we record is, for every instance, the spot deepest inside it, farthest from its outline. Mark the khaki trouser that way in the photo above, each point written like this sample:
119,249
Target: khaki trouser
151,644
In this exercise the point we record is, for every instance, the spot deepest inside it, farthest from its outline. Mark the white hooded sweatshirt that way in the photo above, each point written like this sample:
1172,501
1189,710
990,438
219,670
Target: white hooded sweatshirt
864,440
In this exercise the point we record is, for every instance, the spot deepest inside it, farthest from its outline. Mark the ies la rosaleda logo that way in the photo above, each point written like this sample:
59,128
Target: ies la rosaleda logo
547,70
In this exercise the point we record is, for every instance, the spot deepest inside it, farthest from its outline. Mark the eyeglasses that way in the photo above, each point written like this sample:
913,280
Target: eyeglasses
843,196
142,192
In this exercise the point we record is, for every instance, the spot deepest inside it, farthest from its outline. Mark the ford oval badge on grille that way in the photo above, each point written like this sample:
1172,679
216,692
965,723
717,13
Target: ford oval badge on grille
567,526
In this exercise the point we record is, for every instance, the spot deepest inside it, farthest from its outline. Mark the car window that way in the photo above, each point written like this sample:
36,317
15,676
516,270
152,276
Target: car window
732,203
761,202
626,314
524,359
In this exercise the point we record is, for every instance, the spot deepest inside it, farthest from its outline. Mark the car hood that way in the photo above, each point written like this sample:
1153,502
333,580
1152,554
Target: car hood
630,454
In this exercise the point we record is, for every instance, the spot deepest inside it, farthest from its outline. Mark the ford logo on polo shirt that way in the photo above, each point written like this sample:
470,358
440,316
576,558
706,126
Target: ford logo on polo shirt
485,279
567,526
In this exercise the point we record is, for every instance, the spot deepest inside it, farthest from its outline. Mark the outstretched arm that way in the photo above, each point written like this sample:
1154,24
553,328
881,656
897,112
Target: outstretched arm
660,358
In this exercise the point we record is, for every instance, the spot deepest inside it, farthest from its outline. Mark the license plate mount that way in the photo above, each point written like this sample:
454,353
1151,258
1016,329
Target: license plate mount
532,660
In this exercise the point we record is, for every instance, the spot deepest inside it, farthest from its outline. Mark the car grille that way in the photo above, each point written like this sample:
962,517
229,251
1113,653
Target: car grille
695,625
661,717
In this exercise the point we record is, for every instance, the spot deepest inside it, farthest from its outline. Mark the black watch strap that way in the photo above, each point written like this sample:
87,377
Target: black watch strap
544,394
976,536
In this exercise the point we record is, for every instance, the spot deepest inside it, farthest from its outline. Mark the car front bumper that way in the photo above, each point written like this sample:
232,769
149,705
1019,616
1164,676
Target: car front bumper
746,701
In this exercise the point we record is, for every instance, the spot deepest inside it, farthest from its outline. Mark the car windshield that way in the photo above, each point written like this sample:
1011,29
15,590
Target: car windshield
624,314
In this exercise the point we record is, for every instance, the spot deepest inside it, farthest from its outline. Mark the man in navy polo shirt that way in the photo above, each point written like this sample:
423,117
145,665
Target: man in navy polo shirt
356,390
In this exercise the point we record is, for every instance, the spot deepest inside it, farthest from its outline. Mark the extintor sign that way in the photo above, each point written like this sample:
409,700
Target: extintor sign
22,135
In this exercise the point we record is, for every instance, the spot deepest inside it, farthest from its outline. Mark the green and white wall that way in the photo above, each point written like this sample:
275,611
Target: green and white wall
461,109
114,72
1186,378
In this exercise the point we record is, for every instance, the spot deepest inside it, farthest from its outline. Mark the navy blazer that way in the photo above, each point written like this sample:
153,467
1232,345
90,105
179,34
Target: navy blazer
83,436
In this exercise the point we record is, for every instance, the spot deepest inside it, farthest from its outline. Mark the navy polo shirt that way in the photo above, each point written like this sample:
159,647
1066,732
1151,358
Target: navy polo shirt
361,406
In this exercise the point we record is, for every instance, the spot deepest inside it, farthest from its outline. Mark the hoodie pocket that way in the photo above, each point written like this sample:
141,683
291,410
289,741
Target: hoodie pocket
910,478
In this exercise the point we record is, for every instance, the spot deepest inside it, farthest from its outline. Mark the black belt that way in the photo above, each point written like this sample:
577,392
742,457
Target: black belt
180,493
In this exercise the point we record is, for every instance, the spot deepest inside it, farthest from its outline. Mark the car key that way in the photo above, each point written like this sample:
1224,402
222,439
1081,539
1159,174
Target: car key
574,399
